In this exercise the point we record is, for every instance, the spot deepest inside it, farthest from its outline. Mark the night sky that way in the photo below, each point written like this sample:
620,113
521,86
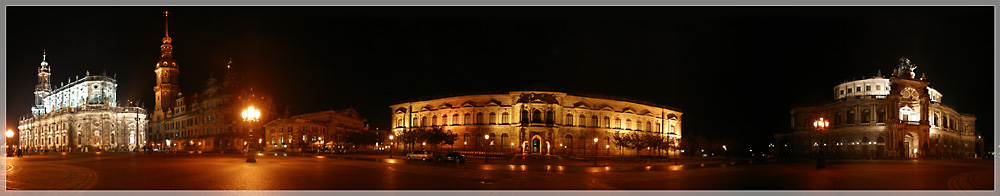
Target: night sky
735,72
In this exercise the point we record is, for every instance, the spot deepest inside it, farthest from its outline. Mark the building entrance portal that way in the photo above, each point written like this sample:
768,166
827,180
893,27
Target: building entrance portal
535,144
912,144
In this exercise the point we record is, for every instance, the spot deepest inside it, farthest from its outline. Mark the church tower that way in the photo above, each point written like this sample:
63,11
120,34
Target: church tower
44,87
167,85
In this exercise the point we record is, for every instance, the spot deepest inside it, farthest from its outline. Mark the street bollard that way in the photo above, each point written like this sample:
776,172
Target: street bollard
251,157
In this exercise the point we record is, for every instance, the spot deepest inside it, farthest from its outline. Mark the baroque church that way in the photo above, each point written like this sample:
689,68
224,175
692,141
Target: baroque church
82,115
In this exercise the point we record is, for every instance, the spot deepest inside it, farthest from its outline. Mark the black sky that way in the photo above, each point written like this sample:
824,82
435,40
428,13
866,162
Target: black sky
734,71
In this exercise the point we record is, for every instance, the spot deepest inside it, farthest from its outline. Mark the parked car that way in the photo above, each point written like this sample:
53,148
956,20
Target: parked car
452,156
420,154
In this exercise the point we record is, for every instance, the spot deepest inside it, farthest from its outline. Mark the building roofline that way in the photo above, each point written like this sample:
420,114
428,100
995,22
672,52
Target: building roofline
507,92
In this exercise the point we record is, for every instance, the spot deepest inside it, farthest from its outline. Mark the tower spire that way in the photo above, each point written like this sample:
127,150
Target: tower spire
166,23
44,63
167,87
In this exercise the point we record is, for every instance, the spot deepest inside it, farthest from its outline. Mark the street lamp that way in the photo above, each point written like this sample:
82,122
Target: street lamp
487,150
595,151
9,135
390,147
821,125
251,115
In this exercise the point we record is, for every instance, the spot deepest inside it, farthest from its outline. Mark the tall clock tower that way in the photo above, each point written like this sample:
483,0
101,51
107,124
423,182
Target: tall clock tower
167,85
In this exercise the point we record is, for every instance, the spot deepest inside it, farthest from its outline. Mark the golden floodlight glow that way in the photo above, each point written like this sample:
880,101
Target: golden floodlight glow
251,114
10,133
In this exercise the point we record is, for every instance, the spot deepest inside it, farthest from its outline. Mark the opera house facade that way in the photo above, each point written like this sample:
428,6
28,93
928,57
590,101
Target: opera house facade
896,117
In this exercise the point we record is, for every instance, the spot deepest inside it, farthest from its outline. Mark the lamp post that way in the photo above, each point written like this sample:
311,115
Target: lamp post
821,125
9,135
251,115
390,146
595,151
487,151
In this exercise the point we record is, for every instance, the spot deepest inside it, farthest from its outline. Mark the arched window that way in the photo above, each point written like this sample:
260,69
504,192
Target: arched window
414,122
524,117
881,116
850,117
423,121
638,125
937,120
628,124
569,120
479,118
503,139
649,126
465,138
454,119
434,121
493,137
536,116
618,123
866,116
493,118
467,119
594,121
583,120
946,123
505,118
568,141
399,122
607,122
548,117
659,128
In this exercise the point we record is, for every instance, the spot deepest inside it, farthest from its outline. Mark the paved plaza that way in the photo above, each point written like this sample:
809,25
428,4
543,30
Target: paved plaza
193,171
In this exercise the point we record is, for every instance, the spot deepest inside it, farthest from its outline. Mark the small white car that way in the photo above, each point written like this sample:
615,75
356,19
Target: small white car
423,155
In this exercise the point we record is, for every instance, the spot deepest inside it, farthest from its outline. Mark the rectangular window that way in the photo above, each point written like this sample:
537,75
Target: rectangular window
857,89
868,87
878,87
848,90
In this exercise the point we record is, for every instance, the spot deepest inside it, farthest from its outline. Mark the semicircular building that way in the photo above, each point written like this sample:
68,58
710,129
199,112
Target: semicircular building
537,121
896,117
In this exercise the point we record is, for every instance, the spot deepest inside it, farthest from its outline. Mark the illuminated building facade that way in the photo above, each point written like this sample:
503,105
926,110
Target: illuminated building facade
536,121
328,129
82,115
205,121
896,117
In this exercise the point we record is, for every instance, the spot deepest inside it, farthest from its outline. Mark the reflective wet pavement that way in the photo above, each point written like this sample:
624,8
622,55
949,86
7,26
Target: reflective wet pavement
125,171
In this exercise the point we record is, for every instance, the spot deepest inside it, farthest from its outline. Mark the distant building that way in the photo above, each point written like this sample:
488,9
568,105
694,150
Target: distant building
82,115
208,121
897,117
536,121
326,129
